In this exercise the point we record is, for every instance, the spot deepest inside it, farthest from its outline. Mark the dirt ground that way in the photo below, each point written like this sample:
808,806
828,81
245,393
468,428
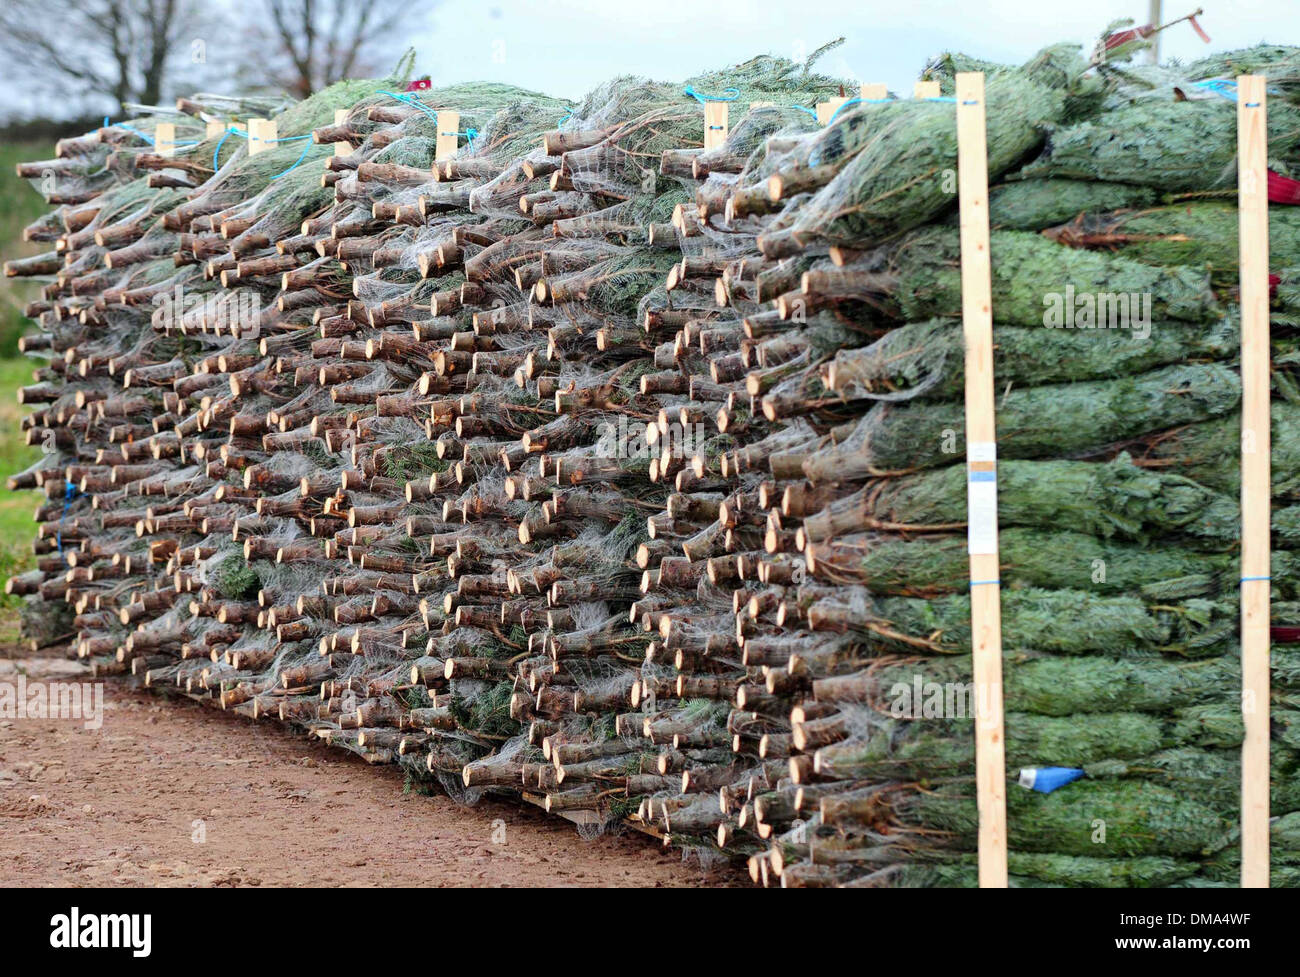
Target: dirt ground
171,793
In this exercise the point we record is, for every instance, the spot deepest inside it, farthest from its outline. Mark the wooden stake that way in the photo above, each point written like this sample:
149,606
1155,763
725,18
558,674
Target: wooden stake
982,486
448,135
874,91
927,89
715,124
342,147
1252,206
164,138
261,135
828,108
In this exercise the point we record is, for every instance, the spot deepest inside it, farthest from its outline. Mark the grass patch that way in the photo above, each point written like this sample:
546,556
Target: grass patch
20,204
16,526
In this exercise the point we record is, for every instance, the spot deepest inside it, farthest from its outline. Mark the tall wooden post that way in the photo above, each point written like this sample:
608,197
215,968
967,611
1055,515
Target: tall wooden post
1256,496
982,484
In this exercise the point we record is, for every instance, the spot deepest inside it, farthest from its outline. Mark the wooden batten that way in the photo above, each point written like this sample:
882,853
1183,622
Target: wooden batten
261,135
1256,495
981,463
828,108
715,124
342,147
164,138
448,135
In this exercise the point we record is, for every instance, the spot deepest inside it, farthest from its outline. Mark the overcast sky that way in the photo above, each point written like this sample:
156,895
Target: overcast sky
566,47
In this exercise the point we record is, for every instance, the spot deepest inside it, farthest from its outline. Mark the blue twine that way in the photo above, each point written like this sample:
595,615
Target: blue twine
230,131
301,156
942,98
122,125
804,108
1249,579
852,101
69,493
412,101
979,583
733,94
568,115
1225,87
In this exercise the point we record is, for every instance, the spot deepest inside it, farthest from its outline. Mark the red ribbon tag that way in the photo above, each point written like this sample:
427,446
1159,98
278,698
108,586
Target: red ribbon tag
1282,189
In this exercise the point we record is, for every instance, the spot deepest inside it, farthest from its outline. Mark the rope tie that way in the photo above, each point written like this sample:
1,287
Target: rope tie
729,95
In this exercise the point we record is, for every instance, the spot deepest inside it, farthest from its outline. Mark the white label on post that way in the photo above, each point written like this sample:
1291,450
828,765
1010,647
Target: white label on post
981,497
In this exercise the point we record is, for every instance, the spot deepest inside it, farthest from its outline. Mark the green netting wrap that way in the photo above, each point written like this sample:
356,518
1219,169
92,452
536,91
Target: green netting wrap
1103,499
1046,685
902,176
1030,557
1031,205
1033,422
928,358
1136,819
1033,620
1169,145
1199,235
1036,282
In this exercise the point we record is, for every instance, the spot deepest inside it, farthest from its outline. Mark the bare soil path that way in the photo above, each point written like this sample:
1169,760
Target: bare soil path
170,793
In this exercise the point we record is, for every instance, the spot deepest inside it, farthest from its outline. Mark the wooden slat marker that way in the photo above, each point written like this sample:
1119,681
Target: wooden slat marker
828,108
164,139
261,135
215,128
343,147
874,91
982,485
926,89
715,124
448,135
1256,443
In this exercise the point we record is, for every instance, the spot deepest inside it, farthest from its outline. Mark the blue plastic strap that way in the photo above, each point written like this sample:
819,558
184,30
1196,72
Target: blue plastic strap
301,156
841,108
1225,87
1047,779
980,583
1249,579
122,125
69,493
731,94
412,101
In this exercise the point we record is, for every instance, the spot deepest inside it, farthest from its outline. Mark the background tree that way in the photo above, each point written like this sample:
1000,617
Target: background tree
124,49
301,46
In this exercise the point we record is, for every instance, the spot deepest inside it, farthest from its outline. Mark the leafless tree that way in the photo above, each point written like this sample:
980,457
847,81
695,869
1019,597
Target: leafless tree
304,45
120,48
